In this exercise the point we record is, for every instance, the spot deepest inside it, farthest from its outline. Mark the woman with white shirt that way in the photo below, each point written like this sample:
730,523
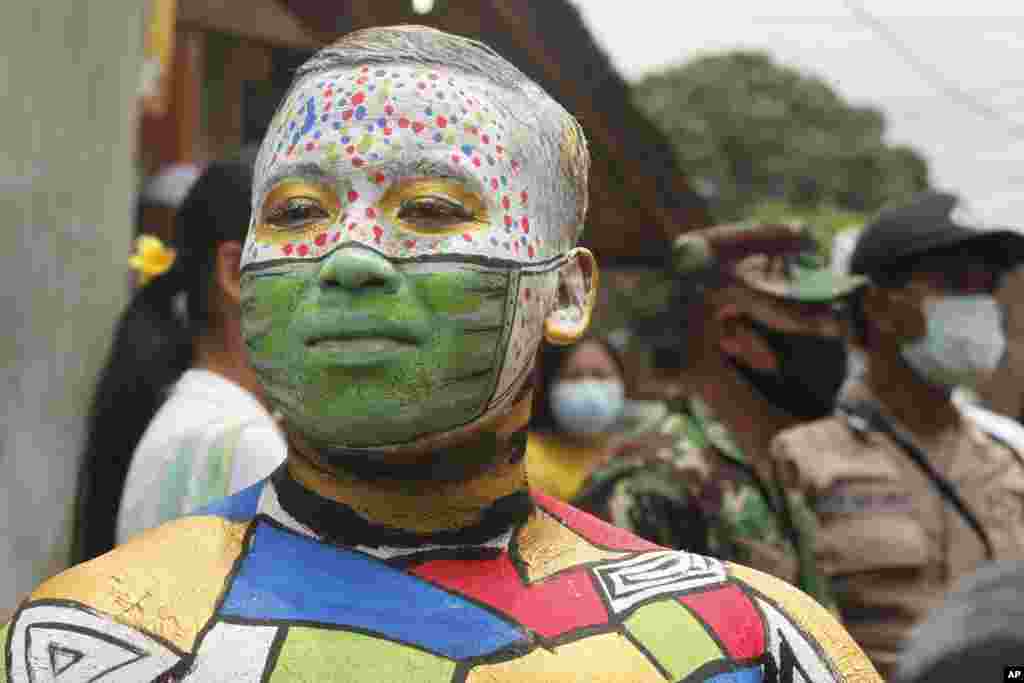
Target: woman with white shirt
177,419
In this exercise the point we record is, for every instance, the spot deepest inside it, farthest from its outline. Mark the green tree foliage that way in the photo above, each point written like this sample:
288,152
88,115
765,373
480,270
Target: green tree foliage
762,132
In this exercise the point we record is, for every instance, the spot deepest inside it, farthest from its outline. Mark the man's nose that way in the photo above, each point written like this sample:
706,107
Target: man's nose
357,269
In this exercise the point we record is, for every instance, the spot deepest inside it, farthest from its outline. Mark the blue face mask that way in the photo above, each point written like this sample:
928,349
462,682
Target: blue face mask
587,406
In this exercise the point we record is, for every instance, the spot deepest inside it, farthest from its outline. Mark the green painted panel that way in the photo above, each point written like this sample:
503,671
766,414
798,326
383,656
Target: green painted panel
314,654
674,637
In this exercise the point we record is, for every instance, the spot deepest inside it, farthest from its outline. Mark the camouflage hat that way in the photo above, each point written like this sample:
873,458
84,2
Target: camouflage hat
777,259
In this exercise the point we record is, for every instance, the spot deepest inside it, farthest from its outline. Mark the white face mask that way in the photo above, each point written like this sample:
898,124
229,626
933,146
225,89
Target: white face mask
587,406
964,344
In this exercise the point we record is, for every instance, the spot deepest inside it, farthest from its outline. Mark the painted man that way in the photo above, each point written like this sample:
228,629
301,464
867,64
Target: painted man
753,335
415,208
911,490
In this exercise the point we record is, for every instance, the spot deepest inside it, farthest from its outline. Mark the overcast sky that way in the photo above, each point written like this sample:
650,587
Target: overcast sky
977,46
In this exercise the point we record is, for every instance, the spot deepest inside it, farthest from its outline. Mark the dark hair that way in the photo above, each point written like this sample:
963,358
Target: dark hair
153,345
550,362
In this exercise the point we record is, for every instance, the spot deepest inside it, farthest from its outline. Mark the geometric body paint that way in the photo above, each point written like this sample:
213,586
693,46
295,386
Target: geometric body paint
539,606
630,582
327,655
249,645
795,658
662,628
298,608
266,588
731,614
65,643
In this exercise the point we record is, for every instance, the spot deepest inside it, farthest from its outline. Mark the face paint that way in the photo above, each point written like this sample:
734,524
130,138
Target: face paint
403,254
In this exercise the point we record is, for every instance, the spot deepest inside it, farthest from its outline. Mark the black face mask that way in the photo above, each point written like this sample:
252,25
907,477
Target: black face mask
811,371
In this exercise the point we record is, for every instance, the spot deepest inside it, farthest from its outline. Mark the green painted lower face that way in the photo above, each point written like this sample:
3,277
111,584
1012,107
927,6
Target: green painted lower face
312,654
372,394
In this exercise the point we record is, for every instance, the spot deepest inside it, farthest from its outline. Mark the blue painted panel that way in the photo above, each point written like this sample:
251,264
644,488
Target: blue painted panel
292,578
752,675
240,507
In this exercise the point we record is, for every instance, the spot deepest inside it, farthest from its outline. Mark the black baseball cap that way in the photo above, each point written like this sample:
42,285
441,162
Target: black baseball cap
901,234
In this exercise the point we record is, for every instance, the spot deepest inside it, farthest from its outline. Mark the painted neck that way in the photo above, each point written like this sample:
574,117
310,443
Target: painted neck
418,509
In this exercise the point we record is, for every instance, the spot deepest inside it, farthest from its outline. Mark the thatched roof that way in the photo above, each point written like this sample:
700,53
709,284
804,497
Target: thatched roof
640,197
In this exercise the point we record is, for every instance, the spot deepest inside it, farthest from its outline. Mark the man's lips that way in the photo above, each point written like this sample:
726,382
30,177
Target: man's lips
360,345
361,335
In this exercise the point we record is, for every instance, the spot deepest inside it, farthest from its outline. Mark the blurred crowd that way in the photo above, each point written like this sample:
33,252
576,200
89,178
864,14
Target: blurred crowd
848,428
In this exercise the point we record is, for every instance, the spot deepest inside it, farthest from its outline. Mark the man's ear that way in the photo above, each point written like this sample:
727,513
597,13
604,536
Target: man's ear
737,339
575,296
228,271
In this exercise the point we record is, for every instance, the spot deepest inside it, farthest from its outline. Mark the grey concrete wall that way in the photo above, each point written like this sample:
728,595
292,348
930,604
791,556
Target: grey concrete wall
69,72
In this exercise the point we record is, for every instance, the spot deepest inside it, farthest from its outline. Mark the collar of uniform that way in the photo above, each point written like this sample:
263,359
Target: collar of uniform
713,430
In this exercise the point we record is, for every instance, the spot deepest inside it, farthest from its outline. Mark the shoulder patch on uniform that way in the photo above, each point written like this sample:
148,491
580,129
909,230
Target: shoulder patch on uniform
67,642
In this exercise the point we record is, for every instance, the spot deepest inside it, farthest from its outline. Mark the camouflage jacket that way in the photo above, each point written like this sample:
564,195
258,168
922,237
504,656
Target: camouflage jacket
687,485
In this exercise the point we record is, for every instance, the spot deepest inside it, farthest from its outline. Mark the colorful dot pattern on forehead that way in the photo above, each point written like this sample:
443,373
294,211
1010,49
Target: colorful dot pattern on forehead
371,127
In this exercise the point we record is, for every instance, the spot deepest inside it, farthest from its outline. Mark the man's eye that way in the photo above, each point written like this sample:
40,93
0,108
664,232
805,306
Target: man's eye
432,211
297,212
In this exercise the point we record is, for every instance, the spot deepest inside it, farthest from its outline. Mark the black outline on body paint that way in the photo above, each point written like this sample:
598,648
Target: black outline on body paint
74,605
508,325
544,265
635,642
529,641
92,633
270,663
752,593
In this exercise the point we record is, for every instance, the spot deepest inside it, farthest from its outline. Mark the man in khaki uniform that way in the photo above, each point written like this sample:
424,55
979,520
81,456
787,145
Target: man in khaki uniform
910,492
753,333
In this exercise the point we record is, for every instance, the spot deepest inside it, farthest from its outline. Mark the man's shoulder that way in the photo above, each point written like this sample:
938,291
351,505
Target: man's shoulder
818,453
164,582
1000,428
832,429
801,634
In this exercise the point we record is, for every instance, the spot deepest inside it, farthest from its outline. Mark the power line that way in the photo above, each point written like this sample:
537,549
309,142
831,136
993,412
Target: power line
930,73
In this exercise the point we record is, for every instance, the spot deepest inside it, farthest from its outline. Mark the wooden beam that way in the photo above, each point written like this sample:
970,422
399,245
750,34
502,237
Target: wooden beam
261,20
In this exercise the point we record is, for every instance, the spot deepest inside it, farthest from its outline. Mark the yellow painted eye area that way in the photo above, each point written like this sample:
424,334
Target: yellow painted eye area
436,206
296,213
433,212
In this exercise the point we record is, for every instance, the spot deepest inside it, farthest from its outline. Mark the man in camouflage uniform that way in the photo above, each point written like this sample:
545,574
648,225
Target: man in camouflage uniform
753,331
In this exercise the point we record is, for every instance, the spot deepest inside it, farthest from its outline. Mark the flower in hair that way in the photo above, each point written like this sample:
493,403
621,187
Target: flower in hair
151,258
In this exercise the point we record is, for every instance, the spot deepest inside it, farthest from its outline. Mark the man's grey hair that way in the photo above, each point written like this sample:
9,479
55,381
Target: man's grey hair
558,138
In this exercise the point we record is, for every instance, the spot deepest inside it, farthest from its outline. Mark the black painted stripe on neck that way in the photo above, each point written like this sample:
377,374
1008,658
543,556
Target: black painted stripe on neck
453,464
339,524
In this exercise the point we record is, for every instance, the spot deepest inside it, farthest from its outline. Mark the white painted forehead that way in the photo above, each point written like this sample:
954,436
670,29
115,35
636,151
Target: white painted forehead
465,99
360,124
